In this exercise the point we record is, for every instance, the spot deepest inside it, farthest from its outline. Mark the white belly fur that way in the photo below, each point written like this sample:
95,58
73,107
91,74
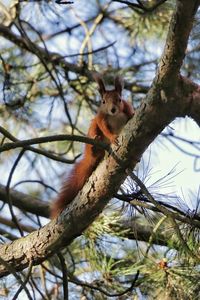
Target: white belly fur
117,122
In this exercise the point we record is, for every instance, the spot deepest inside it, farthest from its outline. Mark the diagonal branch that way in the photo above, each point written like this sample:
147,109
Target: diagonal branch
161,106
177,39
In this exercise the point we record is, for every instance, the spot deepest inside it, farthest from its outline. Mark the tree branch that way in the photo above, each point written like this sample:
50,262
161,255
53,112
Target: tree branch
140,5
25,202
161,106
177,39
35,150
53,138
29,46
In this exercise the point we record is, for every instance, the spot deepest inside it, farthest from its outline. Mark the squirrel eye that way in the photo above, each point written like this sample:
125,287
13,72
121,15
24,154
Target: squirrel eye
103,101
120,99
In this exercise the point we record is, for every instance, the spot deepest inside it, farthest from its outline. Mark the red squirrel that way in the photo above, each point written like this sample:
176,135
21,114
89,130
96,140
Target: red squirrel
112,115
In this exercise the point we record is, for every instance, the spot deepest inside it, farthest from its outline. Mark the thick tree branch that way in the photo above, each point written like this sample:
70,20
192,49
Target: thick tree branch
177,39
161,106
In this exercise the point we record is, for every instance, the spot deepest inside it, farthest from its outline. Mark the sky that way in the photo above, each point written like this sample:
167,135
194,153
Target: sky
164,157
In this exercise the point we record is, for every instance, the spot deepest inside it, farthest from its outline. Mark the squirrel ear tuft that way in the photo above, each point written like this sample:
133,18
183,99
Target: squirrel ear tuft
119,84
98,78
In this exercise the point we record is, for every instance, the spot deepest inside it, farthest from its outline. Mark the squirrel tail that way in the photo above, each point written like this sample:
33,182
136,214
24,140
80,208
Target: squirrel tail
76,180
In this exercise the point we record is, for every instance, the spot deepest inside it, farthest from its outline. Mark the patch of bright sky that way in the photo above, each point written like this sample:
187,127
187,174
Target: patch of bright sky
164,157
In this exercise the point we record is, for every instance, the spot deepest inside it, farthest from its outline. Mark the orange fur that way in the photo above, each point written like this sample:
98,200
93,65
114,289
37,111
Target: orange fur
113,114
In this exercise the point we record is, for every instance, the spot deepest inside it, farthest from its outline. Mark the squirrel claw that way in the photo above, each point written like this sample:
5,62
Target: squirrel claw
115,141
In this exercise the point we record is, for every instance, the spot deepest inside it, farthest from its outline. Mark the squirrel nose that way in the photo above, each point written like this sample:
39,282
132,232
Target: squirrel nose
113,110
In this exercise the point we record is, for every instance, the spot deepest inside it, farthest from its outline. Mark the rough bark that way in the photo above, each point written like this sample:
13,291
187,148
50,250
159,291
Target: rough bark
170,96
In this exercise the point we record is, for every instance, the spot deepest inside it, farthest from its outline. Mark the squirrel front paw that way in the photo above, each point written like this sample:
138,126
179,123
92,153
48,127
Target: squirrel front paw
114,140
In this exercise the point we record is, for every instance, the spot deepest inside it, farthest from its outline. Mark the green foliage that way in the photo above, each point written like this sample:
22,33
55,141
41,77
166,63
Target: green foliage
146,25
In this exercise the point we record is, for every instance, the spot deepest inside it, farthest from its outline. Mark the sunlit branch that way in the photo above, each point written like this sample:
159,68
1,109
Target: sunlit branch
36,150
53,138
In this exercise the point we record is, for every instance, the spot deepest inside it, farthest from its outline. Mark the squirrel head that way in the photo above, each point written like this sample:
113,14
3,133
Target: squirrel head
111,102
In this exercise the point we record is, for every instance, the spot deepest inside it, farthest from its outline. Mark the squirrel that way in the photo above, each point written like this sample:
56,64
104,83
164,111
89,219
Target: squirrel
112,115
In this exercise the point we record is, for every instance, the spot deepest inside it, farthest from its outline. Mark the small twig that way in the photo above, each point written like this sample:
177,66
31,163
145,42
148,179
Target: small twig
130,4
129,289
161,207
36,150
181,239
9,199
139,5
44,60
64,277
45,185
89,52
151,239
25,281
142,200
64,2
37,288
12,271
157,205
54,138
153,7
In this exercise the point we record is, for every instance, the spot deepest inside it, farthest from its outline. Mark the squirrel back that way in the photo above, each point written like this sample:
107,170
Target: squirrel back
111,117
